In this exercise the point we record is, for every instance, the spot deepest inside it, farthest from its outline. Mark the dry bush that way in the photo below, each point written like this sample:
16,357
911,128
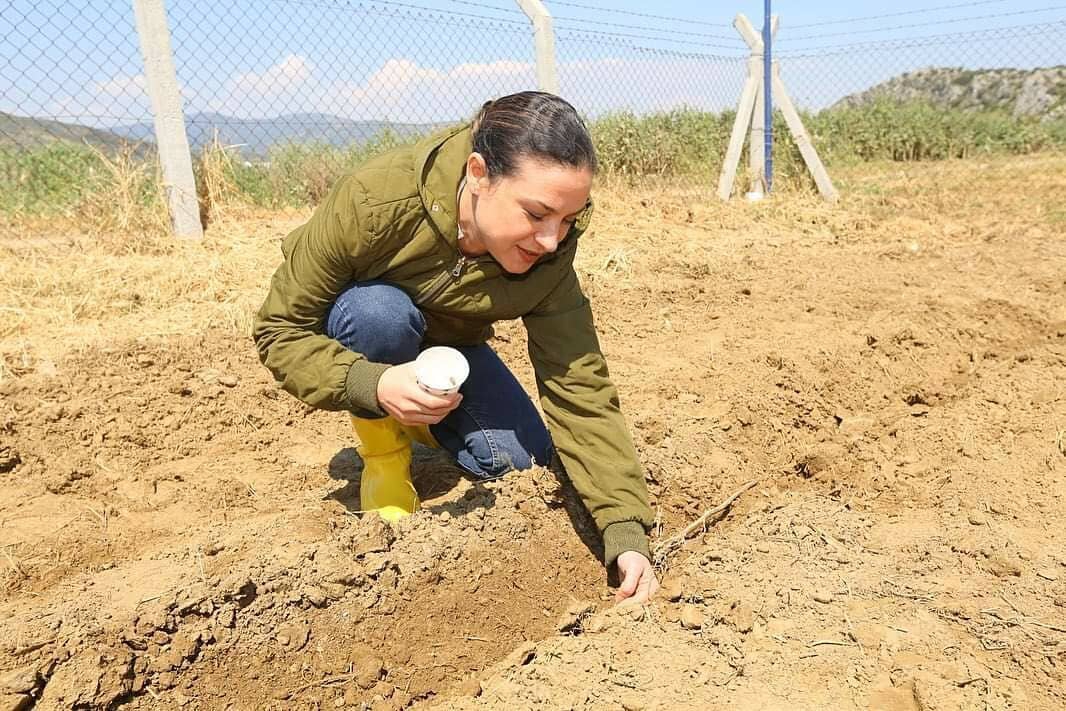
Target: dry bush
220,194
129,200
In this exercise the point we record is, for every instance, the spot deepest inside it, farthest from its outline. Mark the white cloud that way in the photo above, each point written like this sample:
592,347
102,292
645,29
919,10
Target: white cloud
119,99
288,74
402,90
123,86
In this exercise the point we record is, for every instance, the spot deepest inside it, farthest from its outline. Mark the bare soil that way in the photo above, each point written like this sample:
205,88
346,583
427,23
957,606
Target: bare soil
891,371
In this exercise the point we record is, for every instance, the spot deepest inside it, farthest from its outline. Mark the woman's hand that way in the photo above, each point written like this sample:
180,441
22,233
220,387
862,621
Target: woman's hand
638,578
400,395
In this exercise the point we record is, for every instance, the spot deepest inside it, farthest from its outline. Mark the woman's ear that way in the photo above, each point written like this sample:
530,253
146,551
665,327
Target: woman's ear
477,173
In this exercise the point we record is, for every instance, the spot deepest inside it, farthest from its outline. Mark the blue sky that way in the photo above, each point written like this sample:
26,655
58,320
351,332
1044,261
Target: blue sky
427,60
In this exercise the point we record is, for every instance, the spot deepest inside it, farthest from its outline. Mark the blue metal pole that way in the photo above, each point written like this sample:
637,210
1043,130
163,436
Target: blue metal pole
768,105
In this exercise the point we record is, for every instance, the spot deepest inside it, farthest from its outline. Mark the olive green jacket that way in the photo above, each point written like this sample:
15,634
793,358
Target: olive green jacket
395,218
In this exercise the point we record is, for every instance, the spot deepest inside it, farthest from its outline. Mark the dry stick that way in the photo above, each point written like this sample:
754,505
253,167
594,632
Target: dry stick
322,682
32,647
671,544
16,565
1027,618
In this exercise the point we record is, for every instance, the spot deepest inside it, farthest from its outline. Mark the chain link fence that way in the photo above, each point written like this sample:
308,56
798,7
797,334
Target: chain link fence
260,76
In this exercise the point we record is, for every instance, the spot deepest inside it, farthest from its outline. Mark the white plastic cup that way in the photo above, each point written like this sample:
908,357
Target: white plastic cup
441,370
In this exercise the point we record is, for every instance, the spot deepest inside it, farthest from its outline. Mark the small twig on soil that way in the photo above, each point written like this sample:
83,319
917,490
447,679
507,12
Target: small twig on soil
664,549
966,682
32,647
16,565
725,682
829,539
835,643
102,517
476,639
1011,605
1046,626
325,681
1022,617
887,588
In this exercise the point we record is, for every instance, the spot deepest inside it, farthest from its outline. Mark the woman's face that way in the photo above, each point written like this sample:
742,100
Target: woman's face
521,217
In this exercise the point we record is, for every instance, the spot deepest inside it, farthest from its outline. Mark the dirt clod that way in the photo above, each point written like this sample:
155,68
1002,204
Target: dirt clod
294,636
15,702
691,617
470,687
575,613
19,681
367,666
671,589
9,459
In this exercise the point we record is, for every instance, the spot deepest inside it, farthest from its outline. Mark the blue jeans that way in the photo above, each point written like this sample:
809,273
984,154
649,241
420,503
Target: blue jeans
495,429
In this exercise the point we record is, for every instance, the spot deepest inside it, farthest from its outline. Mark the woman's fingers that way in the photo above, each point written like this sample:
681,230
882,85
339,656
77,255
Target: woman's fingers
430,402
414,413
404,400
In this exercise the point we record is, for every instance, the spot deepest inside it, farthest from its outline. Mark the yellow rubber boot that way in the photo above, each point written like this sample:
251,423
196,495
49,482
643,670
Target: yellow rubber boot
386,483
422,435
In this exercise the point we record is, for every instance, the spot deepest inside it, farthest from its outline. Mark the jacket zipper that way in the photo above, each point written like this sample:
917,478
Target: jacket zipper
441,283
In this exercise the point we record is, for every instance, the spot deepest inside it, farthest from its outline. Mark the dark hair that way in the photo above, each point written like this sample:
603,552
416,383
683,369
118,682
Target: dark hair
534,124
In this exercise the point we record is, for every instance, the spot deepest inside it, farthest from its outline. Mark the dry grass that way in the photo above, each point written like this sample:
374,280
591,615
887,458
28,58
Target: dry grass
60,295
65,288
221,199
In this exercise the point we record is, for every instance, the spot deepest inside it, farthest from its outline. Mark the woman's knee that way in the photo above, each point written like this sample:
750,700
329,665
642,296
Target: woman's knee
497,452
378,320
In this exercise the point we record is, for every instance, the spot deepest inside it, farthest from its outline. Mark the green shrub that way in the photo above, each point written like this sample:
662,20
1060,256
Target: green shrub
61,178
53,177
887,130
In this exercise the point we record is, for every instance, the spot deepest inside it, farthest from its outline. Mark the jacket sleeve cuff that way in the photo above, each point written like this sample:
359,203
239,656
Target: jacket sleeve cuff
624,536
361,387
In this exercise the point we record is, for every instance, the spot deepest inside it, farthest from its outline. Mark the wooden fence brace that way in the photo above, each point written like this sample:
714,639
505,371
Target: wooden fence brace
740,127
799,134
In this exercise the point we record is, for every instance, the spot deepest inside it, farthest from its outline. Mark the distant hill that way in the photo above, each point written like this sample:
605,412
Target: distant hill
1022,92
254,137
26,132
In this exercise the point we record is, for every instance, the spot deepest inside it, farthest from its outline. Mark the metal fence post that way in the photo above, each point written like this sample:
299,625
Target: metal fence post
757,142
768,96
544,44
171,141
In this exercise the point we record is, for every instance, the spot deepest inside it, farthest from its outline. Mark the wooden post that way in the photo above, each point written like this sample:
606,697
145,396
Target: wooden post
799,133
543,43
171,141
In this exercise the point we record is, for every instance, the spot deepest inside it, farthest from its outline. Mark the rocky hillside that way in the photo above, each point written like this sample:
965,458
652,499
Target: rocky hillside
1032,92
27,132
